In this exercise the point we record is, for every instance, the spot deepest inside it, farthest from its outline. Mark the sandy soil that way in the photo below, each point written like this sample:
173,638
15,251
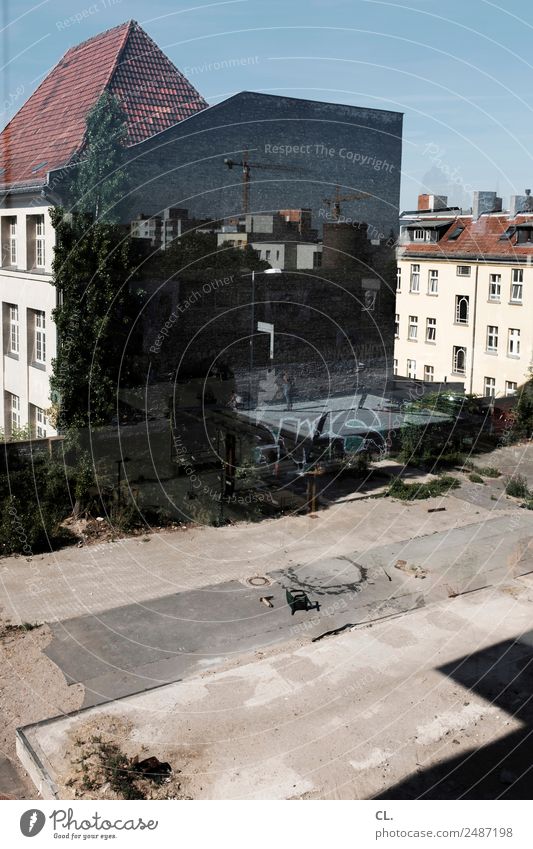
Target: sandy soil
31,688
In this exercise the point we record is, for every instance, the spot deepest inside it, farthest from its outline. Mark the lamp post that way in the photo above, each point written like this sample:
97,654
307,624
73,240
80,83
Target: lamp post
252,329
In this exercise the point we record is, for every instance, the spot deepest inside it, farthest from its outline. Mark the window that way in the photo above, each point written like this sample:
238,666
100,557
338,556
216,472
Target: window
39,241
411,369
462,309
492,338
495,287
413,327
463,271
40,337
415,278
429,374
267,254
41,423
431,330
397,325
398,279
13,241
14,329
511,387
277,255
513,342
15,413
517,280
433,281
459,360
395,366
490,387
419,235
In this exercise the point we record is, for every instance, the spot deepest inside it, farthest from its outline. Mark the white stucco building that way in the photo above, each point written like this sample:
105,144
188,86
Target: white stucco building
464,300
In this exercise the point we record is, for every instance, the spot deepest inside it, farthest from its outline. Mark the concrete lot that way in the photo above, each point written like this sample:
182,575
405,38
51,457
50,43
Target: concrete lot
433,704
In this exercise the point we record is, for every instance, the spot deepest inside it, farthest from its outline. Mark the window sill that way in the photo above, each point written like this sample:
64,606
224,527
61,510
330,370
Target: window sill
461,323
412,340
459,373
40,366
513,356
516,303
433,294
431,341
414,291
491,353
12,356
494,300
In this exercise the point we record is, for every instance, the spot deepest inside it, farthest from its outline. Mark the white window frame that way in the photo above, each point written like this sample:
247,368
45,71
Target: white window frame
463,273
431,329
419,235
511,387
513,342
457,350
489,387
429,374
459,299
517,285
395,366
13,241
14,329
433,281
41,423
397,325
492,338
398,279
495,288
15,412
40,337
414,282
411,369
39,242
412,331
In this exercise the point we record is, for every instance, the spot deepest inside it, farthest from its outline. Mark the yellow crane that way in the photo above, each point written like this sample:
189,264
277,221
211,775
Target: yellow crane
335,202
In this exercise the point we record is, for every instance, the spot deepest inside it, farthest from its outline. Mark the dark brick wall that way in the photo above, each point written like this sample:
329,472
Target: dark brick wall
360,149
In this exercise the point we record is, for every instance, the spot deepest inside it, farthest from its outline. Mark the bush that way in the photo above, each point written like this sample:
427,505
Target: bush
517,486
489,472
416,491
475,478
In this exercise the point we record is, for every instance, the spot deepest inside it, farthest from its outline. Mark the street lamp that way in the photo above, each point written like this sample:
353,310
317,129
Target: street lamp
252,329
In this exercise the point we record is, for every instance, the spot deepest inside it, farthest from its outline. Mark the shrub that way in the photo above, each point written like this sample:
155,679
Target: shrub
475,478
416,491
517,486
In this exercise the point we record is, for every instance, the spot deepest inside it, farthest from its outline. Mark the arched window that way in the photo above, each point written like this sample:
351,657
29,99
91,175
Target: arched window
459,360
462,309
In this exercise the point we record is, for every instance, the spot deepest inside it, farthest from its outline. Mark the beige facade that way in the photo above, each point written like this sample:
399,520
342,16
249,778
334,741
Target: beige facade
464,318
27,333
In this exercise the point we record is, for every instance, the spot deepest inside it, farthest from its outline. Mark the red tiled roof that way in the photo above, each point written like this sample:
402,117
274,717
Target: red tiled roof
49,129
480,238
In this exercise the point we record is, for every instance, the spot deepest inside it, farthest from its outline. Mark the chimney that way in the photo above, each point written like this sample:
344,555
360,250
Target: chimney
517,203
485,202
432,203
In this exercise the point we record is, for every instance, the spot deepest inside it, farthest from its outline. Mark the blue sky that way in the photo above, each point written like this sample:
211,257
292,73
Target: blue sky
461,71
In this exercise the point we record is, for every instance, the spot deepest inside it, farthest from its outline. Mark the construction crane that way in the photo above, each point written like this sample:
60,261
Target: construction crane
247,166
335,202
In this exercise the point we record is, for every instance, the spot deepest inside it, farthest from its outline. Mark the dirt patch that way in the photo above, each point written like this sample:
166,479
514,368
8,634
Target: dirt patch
32,688
103,762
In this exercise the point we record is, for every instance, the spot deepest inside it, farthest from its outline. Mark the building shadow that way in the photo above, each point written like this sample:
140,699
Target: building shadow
503,675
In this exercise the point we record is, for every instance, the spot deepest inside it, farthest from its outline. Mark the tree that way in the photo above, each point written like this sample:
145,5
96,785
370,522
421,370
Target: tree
94,262
524,410
93,269
101,179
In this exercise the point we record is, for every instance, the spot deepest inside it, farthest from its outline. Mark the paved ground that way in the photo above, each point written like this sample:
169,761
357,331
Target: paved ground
435,703
131,648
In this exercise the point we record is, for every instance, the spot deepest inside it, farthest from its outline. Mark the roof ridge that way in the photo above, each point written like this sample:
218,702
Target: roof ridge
99,35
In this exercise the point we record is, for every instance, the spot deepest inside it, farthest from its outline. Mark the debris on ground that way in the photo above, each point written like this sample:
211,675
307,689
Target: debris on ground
411,569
